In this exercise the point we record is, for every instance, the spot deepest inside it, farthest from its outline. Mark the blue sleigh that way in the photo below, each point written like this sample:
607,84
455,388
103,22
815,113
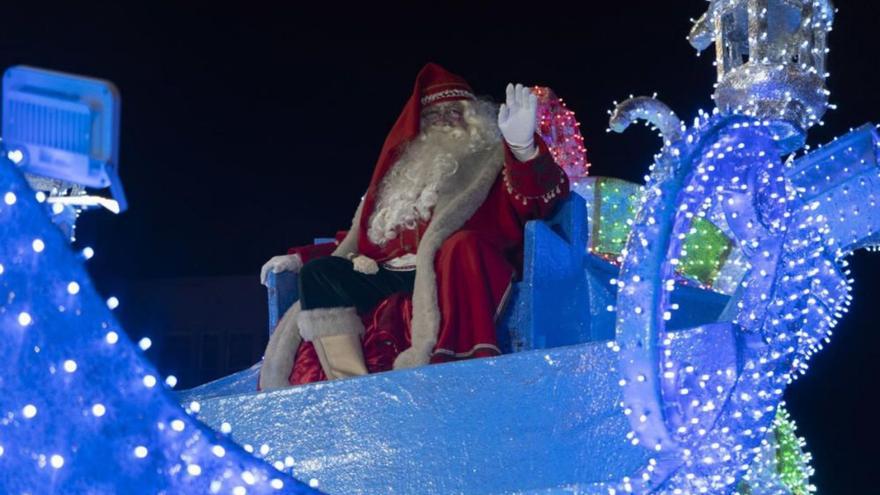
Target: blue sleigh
518,411
660,371
546,416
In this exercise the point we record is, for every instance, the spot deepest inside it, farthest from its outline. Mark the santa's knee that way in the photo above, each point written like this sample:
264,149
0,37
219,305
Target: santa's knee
319,279
322,268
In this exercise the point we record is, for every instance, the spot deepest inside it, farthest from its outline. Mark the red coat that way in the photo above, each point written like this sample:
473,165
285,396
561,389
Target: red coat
474,268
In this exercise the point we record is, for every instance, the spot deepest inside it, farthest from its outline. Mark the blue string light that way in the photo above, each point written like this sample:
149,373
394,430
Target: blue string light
81,410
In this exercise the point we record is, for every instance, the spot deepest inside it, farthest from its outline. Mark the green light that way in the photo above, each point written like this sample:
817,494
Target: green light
616,204
706,247
792,462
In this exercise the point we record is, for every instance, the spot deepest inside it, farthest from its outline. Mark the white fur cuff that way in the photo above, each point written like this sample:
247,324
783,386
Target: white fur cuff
322,322
411,358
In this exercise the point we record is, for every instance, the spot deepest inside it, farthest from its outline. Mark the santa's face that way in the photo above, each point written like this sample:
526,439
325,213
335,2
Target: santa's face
448,115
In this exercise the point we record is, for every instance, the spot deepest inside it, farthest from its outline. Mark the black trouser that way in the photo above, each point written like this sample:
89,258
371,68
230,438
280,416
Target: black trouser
332,282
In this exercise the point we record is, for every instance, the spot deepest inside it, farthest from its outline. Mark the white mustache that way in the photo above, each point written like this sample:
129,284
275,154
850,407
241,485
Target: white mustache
444,131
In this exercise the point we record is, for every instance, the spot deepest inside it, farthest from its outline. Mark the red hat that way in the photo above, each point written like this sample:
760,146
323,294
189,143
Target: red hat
433,85
437,85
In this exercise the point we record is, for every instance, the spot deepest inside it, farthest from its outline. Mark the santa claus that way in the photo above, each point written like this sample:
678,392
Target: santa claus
433,246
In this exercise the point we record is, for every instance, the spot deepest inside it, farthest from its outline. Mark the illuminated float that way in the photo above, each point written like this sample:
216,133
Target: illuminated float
650,341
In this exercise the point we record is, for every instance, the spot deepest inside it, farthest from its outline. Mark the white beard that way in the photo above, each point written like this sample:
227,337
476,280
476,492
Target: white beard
409,191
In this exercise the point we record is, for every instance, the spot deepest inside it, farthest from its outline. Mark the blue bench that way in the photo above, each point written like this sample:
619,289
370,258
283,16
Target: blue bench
564,293
554,262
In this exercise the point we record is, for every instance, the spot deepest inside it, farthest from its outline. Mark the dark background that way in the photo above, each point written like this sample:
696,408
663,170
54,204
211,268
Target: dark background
251,128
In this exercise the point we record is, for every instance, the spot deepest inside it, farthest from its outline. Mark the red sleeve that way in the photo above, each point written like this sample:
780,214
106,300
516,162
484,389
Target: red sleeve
534,187
312,251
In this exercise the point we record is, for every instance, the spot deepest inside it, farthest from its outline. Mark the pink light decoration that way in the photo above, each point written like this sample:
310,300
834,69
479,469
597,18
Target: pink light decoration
560,130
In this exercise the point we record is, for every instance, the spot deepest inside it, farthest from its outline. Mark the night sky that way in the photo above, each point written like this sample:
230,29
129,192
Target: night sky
253,128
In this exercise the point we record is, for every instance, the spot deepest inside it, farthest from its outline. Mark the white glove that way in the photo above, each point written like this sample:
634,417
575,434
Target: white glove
516,119
278,264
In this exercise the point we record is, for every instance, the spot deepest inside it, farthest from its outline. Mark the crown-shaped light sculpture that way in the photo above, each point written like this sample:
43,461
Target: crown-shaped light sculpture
770,56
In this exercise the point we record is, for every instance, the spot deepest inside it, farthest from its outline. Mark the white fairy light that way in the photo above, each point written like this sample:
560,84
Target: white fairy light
29,411
24,319
73,288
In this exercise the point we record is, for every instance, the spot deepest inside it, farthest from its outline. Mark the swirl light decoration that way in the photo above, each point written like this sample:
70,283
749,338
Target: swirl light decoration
705,422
